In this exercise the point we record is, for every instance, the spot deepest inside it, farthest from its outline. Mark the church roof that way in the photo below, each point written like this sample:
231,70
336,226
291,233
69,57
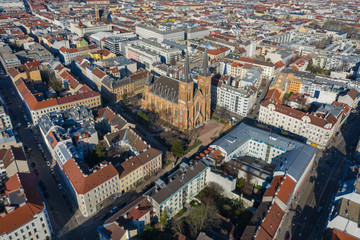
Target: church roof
167,88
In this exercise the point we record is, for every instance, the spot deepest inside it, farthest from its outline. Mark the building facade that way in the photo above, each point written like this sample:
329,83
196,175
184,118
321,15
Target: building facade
178,101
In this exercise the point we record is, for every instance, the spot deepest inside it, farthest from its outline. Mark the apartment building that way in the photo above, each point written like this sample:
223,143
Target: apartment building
239,100
238,95
68,55
25,214
317,128
143,161
37,104
12,161
90,187
180,187
5,121
113,83
8,59
37,108
343,217
267,67
128,222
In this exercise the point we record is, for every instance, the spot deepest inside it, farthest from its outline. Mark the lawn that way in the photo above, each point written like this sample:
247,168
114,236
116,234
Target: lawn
180,213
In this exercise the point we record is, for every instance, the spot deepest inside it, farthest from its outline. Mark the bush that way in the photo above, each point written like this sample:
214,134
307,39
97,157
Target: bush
223,121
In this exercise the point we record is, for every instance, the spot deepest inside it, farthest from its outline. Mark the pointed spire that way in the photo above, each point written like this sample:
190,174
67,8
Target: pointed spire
186,77
148,80
205,63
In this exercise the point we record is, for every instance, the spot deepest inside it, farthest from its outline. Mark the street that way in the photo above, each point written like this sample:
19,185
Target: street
307,217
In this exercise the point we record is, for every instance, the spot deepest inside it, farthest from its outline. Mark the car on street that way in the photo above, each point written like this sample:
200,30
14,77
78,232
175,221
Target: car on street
52,171
114,209
60,186
287,236
48,163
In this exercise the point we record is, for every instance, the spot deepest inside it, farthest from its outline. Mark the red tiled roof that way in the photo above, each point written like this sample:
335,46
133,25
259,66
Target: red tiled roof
274,186
272,220
84,184
286,189
98,73
274,94
21,215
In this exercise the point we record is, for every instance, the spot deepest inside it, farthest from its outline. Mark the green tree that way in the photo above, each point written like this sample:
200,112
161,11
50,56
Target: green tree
124,98
99,150
52,95
177,148
164,218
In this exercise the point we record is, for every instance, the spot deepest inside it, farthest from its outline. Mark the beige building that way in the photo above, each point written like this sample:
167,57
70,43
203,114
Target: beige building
92,189
12,161
318,128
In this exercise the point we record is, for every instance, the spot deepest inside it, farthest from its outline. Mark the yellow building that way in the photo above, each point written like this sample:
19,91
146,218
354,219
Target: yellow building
130,173
102,54
294,84
302,30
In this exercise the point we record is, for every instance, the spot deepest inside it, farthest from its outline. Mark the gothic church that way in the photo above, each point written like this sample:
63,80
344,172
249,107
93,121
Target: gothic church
178,101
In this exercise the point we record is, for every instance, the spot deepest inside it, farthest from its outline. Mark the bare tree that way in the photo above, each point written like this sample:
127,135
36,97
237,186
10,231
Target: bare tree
248,186
202,217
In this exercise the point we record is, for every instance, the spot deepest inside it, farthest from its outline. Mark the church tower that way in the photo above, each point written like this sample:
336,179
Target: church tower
97,13
186,92
204,84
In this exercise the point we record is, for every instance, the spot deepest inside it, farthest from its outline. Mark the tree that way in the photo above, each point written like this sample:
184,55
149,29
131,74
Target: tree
99,150
248,186
164,218
177,148
124,98
52,95
202,217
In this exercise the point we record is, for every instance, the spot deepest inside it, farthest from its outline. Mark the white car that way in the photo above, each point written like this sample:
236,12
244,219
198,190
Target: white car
48,163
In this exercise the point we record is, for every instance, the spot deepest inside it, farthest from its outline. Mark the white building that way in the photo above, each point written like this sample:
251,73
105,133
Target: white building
181,187
237,100
82,28
145,31
25,215
317,128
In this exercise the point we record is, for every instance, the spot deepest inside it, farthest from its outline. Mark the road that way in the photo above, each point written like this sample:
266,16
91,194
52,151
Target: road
57,202
304,220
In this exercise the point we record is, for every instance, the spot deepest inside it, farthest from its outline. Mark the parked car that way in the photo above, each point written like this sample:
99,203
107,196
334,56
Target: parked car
48,163
114,209
60,186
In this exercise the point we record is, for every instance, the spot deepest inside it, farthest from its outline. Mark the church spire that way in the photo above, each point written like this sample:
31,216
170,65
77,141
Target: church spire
148,80
205,63
186,77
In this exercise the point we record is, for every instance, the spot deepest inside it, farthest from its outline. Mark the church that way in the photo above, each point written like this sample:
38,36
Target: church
180,101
